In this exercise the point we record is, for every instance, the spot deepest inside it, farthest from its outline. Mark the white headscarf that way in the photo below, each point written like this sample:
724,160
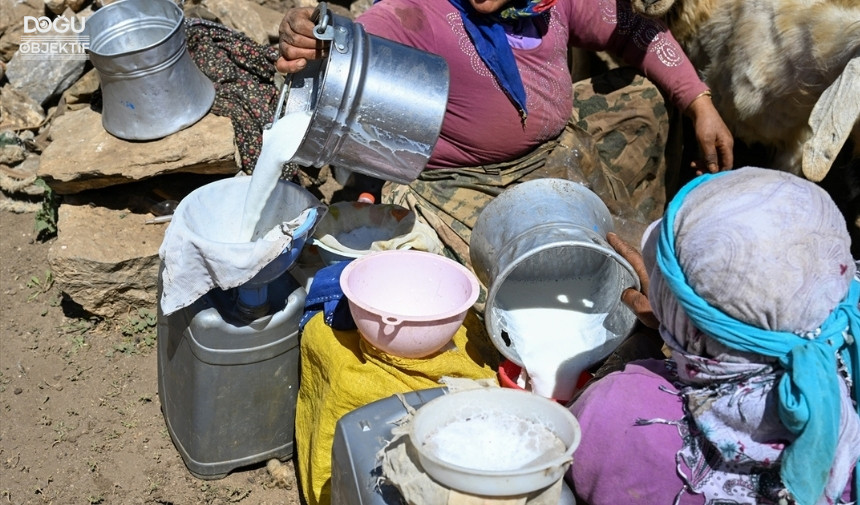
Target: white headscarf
769,249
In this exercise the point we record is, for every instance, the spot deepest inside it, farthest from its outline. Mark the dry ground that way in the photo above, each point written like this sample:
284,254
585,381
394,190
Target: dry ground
80,418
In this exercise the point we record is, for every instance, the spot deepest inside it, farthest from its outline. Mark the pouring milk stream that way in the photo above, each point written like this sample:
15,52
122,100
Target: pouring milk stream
280,143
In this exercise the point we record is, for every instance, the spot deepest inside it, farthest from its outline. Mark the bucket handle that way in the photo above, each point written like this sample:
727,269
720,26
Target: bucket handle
322,31
339,36
391,323
322,17
282,99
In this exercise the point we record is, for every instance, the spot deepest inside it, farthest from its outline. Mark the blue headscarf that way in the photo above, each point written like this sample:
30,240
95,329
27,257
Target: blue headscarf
491,42
809,394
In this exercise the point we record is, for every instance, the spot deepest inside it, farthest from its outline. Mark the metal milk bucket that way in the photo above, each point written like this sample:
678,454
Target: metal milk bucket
376,105
547,233
150,86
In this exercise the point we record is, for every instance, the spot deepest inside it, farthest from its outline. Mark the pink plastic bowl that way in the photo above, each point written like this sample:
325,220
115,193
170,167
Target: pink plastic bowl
408,303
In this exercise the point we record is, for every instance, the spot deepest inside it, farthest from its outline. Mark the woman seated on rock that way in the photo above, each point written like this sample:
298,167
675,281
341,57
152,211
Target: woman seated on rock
756,294
513,113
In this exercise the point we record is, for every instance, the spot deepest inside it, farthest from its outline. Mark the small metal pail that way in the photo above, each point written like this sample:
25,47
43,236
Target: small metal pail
376,105
150,85
550,235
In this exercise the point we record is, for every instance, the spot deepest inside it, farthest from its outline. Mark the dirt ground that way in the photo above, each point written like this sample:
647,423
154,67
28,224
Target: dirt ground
81,421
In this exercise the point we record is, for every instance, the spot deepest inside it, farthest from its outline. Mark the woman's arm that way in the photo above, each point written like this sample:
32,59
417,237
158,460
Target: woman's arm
636,300
715,140
610,25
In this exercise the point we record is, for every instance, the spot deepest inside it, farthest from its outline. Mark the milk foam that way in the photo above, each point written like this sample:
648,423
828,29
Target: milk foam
493,440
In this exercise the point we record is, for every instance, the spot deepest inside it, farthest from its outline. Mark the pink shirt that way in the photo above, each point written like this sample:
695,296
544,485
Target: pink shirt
481,125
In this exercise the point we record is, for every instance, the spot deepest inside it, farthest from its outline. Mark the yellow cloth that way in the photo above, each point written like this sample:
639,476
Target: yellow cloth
340,372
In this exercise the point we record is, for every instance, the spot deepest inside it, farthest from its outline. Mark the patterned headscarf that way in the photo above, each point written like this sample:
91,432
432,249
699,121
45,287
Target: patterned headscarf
532,8
491,43
756,282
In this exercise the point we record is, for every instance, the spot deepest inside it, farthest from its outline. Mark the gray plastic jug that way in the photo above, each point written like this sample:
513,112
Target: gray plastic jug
361,434
228,386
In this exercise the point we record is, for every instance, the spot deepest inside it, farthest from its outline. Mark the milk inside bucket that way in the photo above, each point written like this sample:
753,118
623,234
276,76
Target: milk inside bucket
376,105
150,85
554,283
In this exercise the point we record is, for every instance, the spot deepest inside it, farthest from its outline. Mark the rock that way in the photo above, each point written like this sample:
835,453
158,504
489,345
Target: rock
12,154
11,151
106,260
271,20
240,15
18,111
20,192
12,14
59,6
76,5
45,75
81,93
56,6
26,136
82,155
358,7
262,28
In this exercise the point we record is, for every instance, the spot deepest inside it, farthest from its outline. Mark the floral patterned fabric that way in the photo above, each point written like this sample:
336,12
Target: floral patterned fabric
243,72
532,8
775,255
728,251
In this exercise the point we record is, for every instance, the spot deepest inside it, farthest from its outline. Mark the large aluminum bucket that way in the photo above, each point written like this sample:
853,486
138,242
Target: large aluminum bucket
150,86
550,235
376,105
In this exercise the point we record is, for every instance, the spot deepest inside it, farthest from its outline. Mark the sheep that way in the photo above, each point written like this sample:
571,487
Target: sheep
785,74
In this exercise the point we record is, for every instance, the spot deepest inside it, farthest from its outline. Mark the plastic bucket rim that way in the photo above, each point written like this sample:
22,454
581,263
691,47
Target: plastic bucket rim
442,316
384,209
337,252
224,182
561,461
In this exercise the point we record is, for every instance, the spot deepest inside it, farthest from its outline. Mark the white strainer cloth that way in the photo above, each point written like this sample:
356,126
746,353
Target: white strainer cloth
199,253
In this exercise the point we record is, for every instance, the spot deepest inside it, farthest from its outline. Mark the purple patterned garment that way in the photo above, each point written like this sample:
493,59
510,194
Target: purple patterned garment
775,255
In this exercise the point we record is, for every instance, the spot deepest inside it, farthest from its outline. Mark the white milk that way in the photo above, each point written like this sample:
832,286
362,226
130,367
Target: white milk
493,440
280,144
552,332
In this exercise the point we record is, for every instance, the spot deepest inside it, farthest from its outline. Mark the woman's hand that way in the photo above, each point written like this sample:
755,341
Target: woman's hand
636,300
297,44
715,139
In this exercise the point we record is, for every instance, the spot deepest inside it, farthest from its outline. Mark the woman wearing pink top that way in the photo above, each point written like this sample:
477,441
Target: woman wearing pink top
514,114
